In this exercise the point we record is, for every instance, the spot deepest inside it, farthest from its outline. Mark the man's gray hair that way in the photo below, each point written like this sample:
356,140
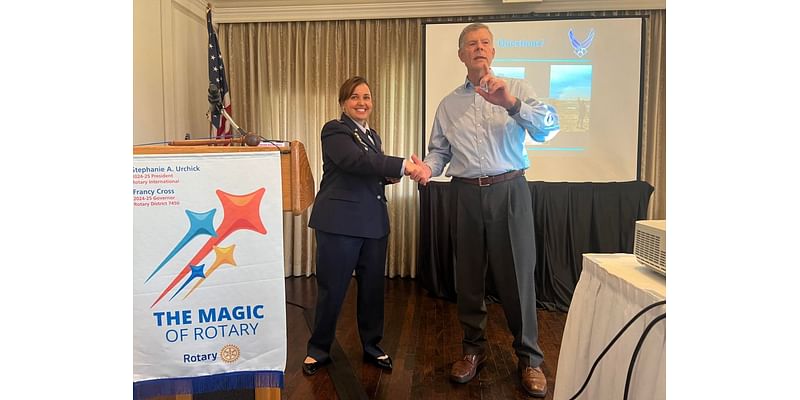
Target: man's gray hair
470,28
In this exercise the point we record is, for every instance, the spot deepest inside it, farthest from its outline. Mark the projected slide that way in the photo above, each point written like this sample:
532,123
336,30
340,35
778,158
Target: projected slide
571,85
588,69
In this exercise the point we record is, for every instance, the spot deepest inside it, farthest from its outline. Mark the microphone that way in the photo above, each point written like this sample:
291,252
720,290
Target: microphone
251,139
215,105
214,98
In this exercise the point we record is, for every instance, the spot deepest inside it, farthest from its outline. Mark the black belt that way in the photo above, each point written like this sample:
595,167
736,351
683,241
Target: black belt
491,180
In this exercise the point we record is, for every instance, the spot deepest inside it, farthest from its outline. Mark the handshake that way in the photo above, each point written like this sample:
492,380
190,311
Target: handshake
417,170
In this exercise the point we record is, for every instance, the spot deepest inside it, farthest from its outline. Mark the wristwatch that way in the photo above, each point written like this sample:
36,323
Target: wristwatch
515,108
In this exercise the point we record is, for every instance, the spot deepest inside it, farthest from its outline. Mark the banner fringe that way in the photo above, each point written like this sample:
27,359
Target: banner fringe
143,390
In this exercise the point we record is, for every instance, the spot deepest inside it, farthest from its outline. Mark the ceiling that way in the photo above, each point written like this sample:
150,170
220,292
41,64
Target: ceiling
230,11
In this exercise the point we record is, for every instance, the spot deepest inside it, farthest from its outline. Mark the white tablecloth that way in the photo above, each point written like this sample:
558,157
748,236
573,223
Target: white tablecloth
611,290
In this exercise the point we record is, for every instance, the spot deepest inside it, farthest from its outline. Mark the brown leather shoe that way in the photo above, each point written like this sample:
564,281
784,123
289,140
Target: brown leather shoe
465,369
533,381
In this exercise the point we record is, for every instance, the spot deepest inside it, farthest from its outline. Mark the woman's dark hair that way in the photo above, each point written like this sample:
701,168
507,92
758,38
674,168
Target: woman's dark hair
349,86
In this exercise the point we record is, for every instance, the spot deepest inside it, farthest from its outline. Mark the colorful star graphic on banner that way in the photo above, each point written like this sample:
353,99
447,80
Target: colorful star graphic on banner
241,212
199,224
224,255
197,272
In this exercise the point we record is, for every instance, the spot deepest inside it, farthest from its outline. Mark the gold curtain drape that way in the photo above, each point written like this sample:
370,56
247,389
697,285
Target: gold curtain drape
654,133
284,79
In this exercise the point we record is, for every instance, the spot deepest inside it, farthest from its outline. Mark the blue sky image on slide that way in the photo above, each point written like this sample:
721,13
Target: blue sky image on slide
570,82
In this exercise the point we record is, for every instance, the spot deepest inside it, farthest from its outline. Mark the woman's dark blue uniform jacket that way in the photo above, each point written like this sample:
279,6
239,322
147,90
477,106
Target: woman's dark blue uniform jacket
351,199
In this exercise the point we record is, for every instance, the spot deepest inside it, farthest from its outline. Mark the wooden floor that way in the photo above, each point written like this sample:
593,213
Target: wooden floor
423,337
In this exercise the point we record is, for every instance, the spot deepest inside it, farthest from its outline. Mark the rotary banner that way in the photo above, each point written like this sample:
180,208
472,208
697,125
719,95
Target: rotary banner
208,285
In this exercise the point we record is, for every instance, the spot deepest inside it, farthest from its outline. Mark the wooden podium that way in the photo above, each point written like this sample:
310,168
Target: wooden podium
297,180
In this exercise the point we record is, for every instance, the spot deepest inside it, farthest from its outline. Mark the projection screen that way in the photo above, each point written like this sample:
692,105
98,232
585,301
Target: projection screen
589,69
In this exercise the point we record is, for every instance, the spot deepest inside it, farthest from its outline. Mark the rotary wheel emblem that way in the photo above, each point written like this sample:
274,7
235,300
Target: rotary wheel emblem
229,353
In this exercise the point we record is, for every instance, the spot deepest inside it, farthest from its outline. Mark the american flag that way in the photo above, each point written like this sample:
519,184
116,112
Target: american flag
221,127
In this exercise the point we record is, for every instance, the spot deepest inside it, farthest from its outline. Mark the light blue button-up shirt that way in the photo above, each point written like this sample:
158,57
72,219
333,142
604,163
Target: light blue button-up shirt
479,138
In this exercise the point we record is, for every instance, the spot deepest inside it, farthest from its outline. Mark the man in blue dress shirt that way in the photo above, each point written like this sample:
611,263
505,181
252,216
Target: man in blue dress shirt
480,130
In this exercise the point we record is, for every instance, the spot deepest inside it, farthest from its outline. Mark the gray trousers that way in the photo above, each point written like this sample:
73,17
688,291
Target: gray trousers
493,231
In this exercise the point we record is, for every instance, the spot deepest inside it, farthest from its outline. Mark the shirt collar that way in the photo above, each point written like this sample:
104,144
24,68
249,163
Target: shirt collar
363,128
469,85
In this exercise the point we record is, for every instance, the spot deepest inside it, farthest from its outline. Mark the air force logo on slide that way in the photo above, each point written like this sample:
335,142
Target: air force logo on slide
581,47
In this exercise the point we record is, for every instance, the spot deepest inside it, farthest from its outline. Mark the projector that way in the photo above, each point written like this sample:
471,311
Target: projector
650,244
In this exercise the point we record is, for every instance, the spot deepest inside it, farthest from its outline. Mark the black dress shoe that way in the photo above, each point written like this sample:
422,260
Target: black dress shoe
312,368
385,363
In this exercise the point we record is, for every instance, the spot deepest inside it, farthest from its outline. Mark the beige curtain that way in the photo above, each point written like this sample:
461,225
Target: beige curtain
284,78
654,136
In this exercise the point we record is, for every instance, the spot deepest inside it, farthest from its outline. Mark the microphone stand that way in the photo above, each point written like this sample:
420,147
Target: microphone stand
238,132
240,137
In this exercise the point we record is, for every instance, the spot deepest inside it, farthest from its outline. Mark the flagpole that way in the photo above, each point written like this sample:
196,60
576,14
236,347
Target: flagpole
212,131
221,121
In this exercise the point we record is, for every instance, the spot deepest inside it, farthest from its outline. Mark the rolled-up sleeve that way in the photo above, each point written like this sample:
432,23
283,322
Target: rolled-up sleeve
540,120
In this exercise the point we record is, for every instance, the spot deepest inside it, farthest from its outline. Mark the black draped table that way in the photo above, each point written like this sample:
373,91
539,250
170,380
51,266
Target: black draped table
570,219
